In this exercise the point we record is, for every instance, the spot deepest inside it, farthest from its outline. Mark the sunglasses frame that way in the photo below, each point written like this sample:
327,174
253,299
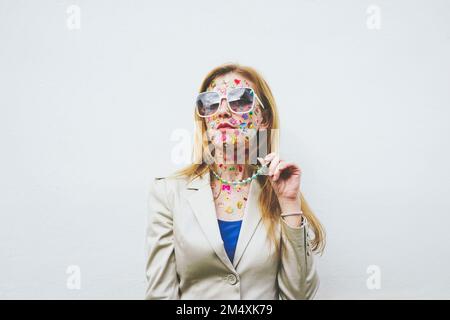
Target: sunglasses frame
225,96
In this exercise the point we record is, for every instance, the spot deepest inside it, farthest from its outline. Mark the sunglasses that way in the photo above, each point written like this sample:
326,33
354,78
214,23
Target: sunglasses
239,100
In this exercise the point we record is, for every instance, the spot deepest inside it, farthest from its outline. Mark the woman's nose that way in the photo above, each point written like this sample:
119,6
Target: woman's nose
223,107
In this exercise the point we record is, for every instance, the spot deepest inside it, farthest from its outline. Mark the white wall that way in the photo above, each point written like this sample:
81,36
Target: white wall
86,117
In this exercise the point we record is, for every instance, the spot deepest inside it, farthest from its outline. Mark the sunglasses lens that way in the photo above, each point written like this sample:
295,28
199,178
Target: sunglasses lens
207,103
241,99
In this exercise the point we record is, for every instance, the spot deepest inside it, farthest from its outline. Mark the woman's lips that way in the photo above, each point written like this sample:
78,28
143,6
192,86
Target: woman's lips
225,126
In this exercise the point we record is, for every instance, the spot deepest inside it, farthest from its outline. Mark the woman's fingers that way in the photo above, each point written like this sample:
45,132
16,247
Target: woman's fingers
276,166
283,165
273,165
278,170
269,157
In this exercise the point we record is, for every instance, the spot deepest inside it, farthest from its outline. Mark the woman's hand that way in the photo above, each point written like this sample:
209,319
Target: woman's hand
285,179
284,176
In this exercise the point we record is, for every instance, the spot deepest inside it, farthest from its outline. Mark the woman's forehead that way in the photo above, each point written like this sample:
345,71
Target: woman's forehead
229,81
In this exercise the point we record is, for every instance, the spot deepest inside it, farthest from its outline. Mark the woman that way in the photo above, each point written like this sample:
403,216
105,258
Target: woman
228,229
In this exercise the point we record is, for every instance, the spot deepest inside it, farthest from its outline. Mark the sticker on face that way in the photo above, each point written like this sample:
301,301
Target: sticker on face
240,122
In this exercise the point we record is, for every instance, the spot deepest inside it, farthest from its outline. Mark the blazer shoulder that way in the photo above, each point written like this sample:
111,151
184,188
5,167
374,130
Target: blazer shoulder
167,184
170,179
161,194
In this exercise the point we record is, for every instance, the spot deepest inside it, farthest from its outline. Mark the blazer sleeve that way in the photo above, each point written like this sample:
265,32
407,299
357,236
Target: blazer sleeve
297,276
162,279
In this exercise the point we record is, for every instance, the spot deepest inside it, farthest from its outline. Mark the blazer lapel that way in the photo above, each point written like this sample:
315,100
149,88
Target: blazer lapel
202,203
250,221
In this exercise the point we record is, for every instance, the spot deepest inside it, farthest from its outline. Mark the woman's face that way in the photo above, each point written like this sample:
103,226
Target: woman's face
239,125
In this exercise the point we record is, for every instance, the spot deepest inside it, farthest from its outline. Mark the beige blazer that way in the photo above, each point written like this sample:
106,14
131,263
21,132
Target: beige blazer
186,258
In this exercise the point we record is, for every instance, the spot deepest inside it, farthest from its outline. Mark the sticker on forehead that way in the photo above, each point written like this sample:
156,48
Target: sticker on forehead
222,90
237,81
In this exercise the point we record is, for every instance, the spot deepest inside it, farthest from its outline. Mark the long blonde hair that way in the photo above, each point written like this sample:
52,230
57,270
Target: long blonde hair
268,201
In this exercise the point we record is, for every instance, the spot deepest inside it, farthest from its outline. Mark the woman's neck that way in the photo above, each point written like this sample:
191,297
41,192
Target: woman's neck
230,172
228,167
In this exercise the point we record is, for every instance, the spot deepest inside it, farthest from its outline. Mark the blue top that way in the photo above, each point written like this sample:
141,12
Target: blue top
229,231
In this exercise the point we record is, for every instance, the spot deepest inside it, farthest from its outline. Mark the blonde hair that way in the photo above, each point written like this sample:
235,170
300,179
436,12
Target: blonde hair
268,201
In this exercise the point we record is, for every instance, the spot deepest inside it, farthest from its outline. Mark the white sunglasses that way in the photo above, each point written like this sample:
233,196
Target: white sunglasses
240,100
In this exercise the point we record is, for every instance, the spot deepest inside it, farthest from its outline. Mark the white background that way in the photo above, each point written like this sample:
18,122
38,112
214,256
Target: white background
86,118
